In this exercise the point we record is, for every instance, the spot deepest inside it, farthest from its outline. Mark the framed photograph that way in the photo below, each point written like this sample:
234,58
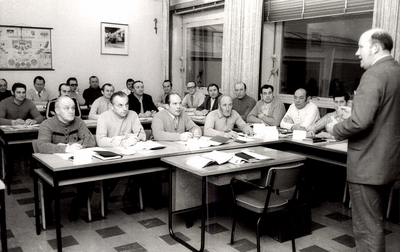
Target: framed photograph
217,44
114,38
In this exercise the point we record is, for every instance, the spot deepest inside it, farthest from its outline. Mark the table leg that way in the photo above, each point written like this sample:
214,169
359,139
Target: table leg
57,213
36,194
3,222
203,215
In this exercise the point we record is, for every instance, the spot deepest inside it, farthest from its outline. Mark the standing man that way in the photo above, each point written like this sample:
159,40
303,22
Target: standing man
243,103
129,86
220,122
210,102
194,98
167,87
93,91
302,113
73,83
172,123
268,110
140,102
102,103
65,133
64,90
372,129
17,110
38,94
4,93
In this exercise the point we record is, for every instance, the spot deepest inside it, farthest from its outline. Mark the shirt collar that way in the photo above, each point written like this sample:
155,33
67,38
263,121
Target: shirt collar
220,115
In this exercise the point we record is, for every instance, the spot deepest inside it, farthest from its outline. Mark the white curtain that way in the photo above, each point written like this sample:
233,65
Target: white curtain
165,38
241,45
387,17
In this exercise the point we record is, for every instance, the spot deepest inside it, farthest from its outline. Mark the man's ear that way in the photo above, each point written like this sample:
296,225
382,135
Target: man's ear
12,92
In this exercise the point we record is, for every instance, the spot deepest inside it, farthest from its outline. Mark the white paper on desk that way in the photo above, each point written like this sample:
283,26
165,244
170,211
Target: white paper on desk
299,134
147,145
270,132
246,139
64,156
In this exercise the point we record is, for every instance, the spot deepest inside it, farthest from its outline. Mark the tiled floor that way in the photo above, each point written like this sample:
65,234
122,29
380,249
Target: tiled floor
126,228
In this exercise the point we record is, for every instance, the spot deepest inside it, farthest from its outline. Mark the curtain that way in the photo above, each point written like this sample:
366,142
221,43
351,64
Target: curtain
165,39
241,45
386,16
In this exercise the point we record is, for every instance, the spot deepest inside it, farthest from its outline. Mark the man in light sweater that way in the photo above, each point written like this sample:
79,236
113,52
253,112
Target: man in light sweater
173,123
65,133
102,103
302,113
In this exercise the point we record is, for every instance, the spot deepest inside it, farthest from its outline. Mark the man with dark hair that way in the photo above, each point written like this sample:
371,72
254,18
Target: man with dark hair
167,88
39,95
73,83
302,113
173,123
129,86
211,101
17,110
64,90
268,110
102,103
340,99
243,103
373,136
93,91
220,122
4,93
140,102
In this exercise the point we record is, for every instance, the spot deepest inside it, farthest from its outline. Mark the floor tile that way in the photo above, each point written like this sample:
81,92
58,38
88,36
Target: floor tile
338,217
346,240
132,247
215,228
244,245
168,239
313,248
153,222
110,231
67,241
316,226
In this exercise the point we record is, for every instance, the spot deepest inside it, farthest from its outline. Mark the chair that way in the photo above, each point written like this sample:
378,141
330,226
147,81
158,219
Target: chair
273,195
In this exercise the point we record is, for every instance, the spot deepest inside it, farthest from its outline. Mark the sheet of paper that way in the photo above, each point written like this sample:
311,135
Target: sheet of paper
299,134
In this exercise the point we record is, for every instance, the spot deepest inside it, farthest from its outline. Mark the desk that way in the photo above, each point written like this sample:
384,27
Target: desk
3,217
217,175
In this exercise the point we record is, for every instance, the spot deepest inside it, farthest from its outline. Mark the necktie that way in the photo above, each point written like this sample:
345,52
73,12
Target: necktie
39,94
191,99
176,122
141,105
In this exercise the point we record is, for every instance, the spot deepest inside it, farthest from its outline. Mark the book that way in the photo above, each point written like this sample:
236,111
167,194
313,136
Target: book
218,140
209,158
106,155
314,139
250,156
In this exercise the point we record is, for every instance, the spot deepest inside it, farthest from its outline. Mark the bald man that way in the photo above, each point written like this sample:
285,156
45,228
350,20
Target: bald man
221,121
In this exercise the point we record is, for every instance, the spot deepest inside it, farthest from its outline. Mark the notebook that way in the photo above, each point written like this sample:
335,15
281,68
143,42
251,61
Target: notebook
106,155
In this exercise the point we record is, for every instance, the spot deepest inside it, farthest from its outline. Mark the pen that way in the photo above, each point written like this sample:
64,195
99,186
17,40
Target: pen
139,132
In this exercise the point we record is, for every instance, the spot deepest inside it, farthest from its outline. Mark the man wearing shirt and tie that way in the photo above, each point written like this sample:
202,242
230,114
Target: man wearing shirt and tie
38,94
173,123
211,102
194,98
140,102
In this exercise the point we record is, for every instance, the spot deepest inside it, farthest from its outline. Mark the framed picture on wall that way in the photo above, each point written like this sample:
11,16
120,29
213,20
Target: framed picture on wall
114,38
217,44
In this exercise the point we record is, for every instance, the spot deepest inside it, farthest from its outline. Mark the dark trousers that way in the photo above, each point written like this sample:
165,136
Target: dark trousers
369,203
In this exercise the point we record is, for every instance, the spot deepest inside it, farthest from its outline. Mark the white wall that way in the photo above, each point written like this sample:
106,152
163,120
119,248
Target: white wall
76,41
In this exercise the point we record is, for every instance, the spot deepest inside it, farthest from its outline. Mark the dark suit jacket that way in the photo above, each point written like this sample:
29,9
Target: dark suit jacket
207,103
148,104
373,128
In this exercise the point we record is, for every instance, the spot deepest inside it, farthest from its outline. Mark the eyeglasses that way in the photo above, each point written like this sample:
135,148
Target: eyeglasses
191,87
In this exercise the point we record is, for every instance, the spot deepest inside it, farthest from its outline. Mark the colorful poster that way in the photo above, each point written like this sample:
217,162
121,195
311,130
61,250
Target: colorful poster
25,48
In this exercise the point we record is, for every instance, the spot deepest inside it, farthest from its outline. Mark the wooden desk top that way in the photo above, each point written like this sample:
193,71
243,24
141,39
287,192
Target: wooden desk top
339,147
279,157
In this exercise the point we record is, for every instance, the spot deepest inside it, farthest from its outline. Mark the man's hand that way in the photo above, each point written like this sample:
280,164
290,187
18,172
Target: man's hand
185,136
310,133
73,147
287,119
142,115
298,127
18,122
153,112
198,113
250,132
30,122
197,133
329,126
231,134
345,112
132,140
147,113
117,140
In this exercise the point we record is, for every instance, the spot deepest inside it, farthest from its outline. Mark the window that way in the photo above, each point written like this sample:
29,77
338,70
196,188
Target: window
319,54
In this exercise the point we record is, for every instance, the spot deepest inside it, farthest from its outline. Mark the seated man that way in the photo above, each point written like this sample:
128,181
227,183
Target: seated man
167,87
140,102
211,101
17,110
129,86
4,93
243,103
269,110
73,83
102,103
173,123
119,126
63,90
93,91
340,98
302,113
220,122
66,133
38,94
194,98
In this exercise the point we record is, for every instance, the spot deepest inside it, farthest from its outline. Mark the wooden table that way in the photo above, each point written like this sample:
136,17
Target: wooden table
218,175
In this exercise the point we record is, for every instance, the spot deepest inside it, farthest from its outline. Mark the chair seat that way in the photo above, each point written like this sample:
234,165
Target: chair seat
254,200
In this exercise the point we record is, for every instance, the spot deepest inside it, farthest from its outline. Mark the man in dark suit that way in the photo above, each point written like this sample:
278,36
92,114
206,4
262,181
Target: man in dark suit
211,101
140,102
373,159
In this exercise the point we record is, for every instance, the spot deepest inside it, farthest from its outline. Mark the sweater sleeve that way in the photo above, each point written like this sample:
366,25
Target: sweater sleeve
3,113
101,132
252,116
209,126
44,140
94,110
35,112
159,132
84,134
287,121
277,115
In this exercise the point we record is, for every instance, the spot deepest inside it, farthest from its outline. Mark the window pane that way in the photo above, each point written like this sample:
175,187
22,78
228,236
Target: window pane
319,54
204,54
